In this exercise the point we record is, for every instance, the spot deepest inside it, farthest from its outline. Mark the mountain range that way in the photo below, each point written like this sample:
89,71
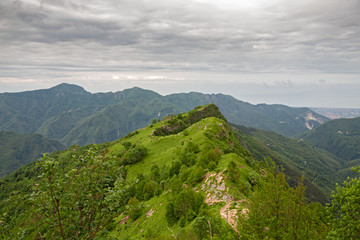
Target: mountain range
177,177
190,176
72,115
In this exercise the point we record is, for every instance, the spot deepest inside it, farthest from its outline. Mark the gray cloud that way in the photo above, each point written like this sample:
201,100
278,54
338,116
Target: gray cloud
67,40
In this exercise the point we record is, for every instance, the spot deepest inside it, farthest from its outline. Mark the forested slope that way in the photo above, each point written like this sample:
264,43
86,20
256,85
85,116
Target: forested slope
72,115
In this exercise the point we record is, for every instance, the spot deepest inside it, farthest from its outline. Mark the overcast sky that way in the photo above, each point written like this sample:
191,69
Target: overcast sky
293,52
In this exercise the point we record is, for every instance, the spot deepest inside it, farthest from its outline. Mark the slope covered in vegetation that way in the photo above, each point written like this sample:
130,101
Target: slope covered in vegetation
150,180
186,177
20,149
320,168
72,115
340,137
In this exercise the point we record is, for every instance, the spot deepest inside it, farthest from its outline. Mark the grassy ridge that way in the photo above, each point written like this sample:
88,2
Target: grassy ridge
145,172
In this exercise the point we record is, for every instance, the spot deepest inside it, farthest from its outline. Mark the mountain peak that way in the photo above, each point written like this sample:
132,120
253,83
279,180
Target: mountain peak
69,88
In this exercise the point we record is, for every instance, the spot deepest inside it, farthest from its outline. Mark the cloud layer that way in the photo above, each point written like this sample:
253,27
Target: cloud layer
276,44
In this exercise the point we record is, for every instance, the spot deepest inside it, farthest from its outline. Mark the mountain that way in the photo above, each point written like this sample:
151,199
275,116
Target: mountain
142,171
179,177
20,149
320,168
279,118
340,137
72,115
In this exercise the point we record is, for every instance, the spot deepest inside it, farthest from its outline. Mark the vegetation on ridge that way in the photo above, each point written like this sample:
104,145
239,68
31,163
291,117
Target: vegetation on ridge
72,115
198,183
321,169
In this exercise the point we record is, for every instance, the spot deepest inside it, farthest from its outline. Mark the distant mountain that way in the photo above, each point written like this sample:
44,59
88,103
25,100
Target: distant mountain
340,137
282,119
336,113
20,149
72,115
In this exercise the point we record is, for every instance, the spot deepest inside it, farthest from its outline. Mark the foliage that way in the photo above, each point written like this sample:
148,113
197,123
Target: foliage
345,210
276,211
176,124
74,203
72,115
186,205
321,169
340,137
149,187
135,154
233,171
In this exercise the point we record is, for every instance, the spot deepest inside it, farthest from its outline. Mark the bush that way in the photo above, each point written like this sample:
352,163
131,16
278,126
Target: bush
175,169
135,155
196,175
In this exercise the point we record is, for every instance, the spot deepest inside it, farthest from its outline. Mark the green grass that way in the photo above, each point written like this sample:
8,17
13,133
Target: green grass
211,145
141,227
208,134
162,150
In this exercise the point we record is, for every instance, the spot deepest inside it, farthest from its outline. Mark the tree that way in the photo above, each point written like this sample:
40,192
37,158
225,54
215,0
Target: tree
135,155
276,211
186,204
233,171
345,210
75,203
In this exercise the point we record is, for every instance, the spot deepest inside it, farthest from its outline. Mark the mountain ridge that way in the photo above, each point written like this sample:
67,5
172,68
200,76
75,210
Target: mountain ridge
66,112
155,182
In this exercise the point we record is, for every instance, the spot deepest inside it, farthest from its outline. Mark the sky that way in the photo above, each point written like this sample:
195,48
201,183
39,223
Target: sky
292,52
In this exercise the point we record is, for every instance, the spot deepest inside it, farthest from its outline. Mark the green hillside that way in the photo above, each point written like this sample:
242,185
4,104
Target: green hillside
72,115
186,177
20,149
282,119
144,180
340,137
321,168
145,165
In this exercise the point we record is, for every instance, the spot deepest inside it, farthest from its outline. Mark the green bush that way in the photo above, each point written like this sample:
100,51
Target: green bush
135,155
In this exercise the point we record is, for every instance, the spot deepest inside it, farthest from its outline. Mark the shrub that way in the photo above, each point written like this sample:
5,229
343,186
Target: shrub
135,155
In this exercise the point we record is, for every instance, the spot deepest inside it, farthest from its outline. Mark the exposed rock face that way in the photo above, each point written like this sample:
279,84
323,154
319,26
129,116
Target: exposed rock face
310,119
216,192
149,213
